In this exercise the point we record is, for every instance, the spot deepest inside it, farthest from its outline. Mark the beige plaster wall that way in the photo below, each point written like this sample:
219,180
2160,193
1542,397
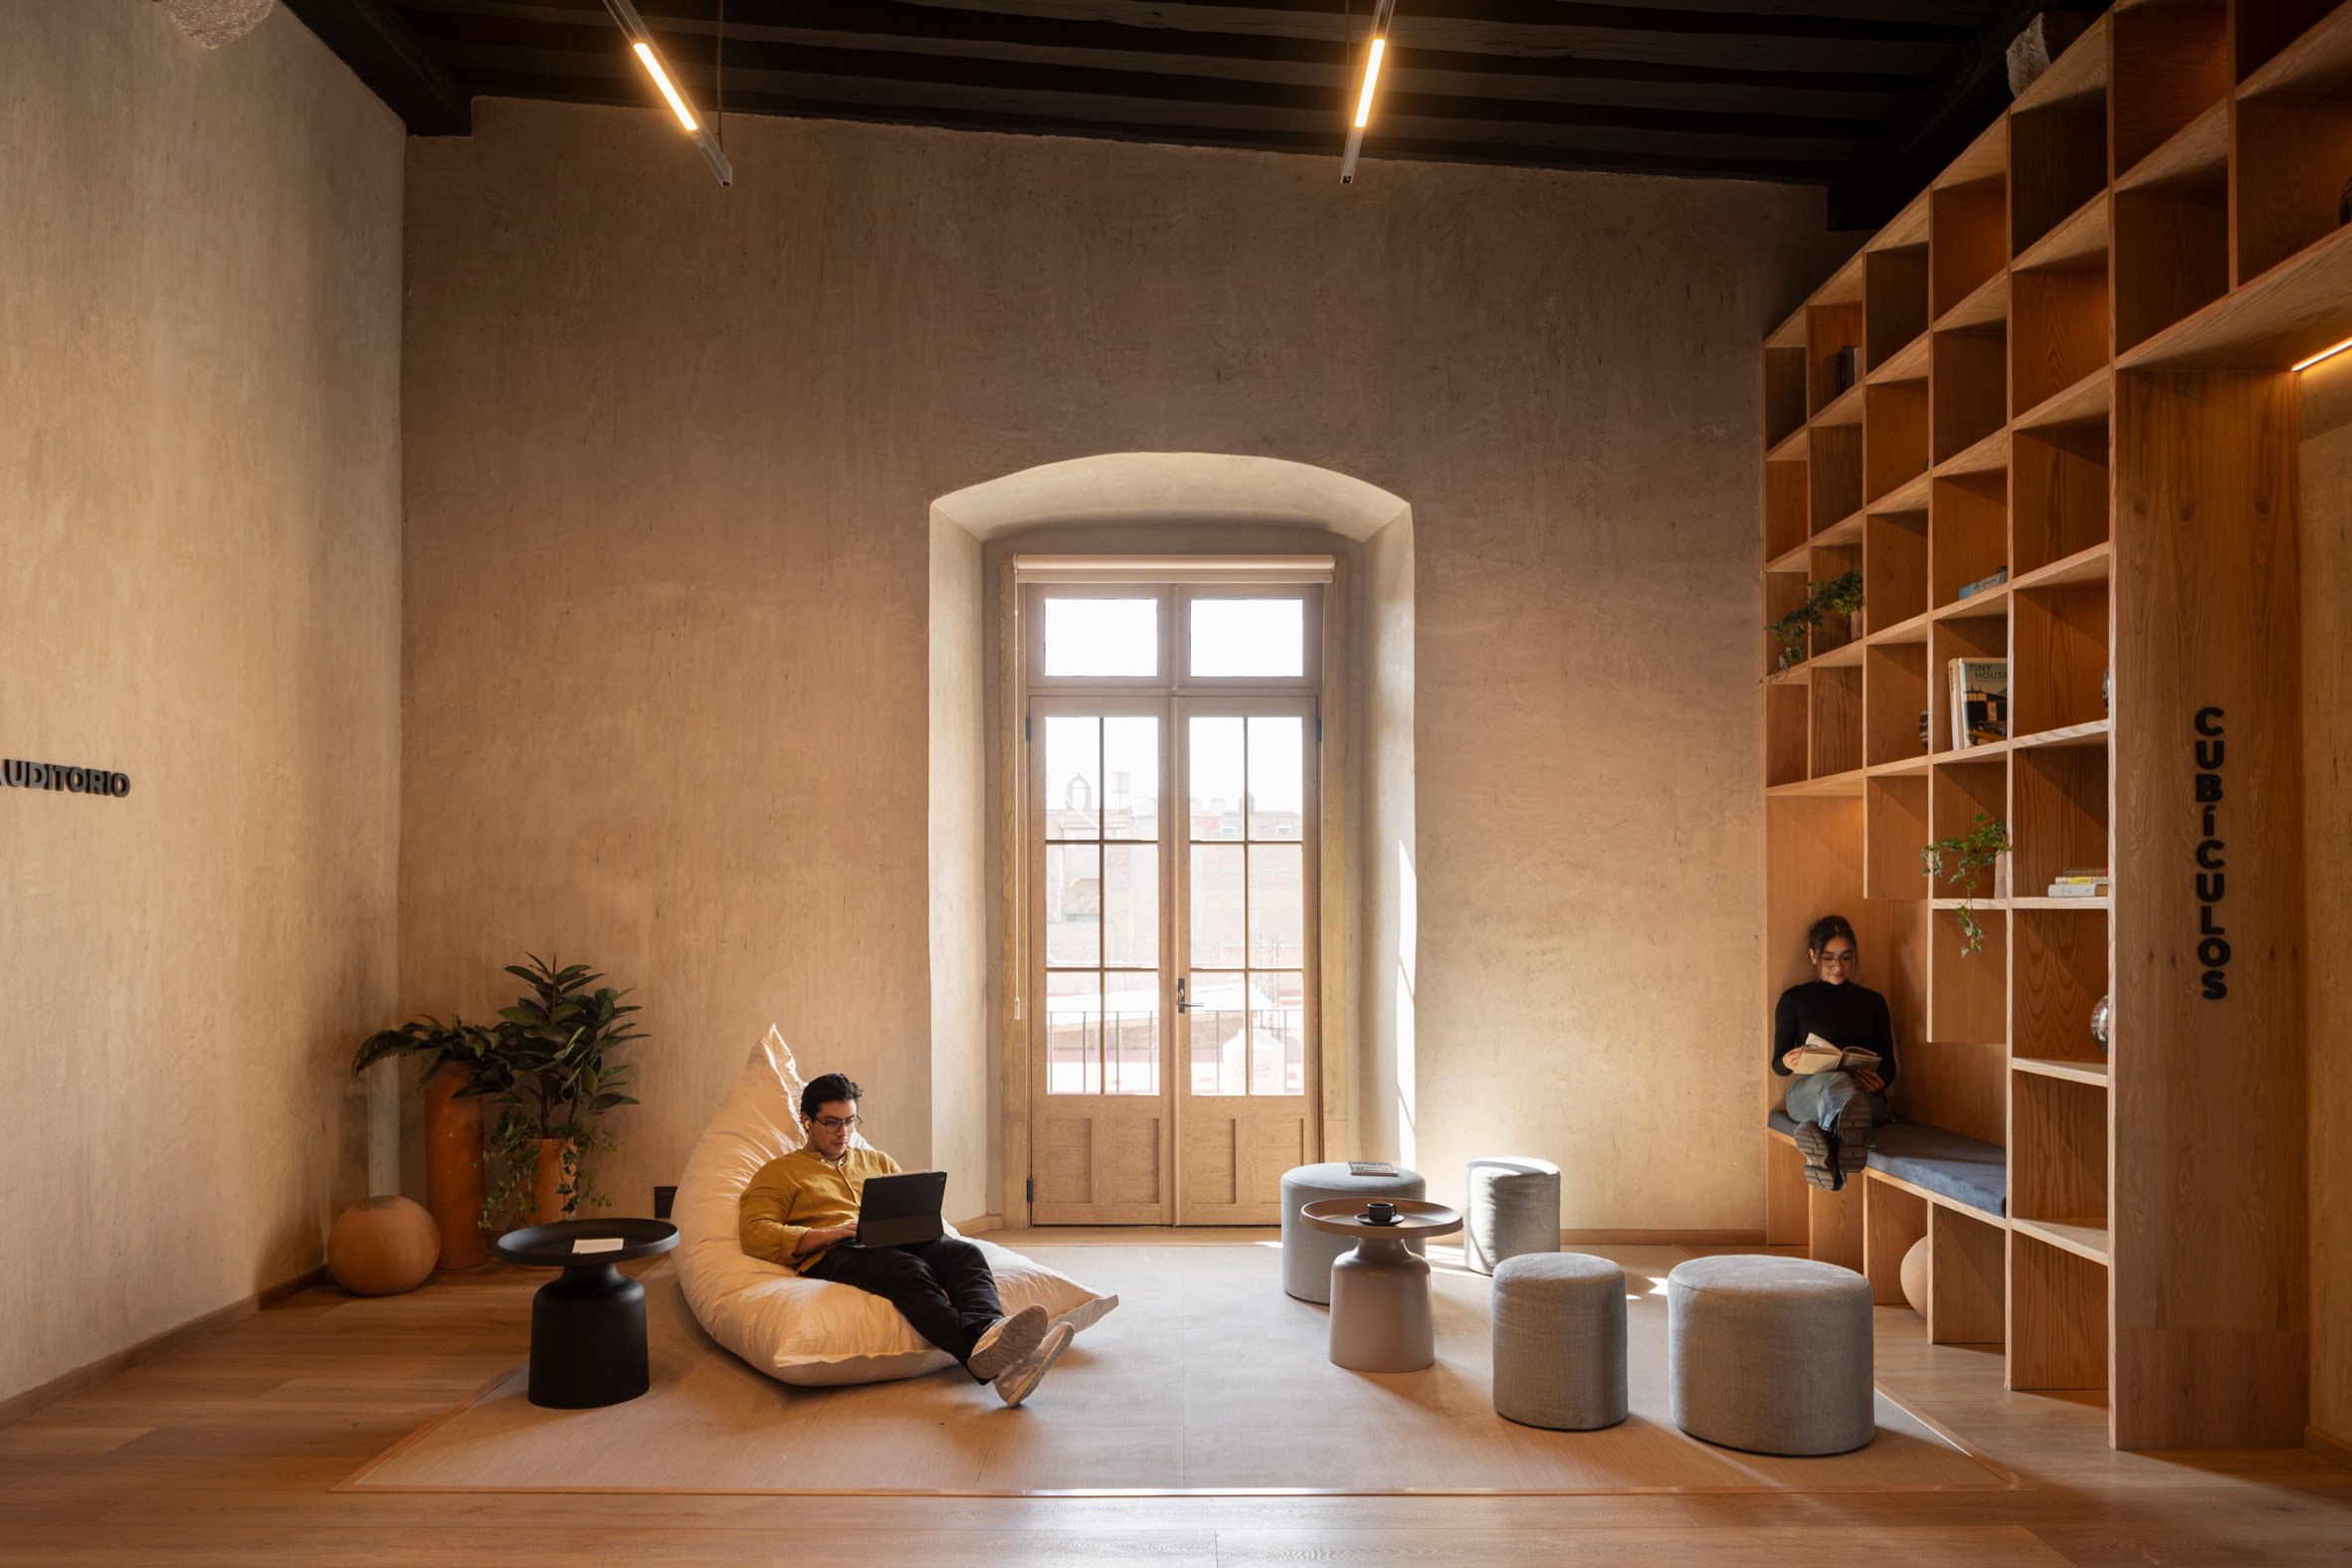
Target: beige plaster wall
2325,549
1388,852
199,577
961,1018
670,454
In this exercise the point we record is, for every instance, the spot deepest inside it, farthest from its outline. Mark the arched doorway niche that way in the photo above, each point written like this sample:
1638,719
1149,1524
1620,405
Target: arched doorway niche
1162,503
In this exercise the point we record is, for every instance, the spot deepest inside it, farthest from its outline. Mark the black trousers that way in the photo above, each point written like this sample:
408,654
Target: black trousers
942,1287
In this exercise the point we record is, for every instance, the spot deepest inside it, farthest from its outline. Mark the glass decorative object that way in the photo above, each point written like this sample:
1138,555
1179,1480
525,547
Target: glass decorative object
2102,1015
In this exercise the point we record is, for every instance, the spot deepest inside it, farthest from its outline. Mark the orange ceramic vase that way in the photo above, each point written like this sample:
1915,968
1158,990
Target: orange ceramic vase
547,1156
453,1167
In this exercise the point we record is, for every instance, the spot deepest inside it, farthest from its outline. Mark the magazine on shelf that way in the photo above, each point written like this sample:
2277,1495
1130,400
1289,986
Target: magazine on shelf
1980,702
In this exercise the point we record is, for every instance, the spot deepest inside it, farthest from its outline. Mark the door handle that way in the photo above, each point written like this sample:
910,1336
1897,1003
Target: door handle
1182,1006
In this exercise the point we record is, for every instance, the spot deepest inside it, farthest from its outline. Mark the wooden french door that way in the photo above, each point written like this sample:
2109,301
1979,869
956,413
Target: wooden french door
1174,984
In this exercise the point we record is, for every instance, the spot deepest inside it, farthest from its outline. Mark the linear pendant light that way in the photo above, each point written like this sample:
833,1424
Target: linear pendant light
641,43
1374,54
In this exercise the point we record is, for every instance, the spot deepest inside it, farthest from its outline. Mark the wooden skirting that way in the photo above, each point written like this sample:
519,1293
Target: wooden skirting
2328,1446
18,1406
1662,1238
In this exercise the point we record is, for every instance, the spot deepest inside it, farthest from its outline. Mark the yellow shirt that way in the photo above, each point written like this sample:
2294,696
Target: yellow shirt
803,1192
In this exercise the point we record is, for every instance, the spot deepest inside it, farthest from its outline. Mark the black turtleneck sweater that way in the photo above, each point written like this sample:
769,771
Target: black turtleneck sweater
1847,1015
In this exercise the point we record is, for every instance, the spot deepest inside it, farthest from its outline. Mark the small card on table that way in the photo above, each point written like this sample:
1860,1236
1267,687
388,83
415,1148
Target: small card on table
598,1243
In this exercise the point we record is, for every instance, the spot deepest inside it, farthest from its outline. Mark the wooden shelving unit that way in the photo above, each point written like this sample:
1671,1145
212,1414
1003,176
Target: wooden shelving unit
2077,349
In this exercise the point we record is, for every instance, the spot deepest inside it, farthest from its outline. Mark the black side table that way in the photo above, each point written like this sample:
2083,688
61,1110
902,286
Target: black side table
587,1323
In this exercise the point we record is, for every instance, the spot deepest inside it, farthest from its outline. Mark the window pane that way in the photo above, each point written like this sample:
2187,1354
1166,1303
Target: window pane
1278,778
1248,637
1102,636
1217,935
1130,903
1278,905
1073,1033
1220,1028
1073,778
1131,1032
1131,792
1278,1034
1214,747
1073,904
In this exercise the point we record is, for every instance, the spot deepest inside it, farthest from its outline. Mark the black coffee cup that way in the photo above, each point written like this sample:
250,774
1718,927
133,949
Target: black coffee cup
1381,1213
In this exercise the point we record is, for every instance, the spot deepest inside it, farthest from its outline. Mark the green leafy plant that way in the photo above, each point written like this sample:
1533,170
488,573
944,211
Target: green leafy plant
556,1049
1841,595
436,1044
1978,850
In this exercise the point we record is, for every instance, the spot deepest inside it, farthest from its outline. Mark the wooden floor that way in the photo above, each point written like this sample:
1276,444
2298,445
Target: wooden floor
225,1451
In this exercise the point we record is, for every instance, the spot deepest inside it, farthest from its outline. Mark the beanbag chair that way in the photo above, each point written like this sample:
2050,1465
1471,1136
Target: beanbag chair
813,1332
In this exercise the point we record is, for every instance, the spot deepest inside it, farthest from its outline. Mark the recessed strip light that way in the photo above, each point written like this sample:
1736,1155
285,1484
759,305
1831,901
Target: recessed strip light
641,42
2326,353
1374,53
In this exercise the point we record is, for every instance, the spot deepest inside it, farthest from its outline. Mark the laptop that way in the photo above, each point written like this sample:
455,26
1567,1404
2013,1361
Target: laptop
902,1210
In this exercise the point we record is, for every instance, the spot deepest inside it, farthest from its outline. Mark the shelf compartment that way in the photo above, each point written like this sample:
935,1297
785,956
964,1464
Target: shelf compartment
2293,155
1894,827
1784,394
1835,475
2058,156
1985,638
2059,1067
1784,733
1894,436
1836,721
2057,1316
1968,387
2189,158
2292,312
1894,682
2057,973
1829,329
1969,225
2297,29
1783,592
1894,1220
1894,567
2060,324
1967,1278
2172,65
2060,492
1837,632
2057,1152
2172,251
1967,993
1787,522
2059,638
2080,241
2059,814
1967,534
1894,299
2092,397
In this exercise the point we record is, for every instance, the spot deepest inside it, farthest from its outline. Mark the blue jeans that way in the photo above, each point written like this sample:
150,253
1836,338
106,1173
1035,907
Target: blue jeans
1837,1103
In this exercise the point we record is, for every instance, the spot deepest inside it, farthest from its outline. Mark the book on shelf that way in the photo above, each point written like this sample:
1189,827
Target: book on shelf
1980,702
2068,889
1818,1056
1992,579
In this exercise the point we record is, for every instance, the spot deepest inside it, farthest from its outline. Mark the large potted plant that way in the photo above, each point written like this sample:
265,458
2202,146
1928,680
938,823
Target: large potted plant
556,1049
460,1064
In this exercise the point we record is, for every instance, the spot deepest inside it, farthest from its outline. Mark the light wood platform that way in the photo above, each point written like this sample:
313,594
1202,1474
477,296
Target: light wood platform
227,1449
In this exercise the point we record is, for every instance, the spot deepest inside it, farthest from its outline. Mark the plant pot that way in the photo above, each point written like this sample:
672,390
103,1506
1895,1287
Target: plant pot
453,1167
547,1180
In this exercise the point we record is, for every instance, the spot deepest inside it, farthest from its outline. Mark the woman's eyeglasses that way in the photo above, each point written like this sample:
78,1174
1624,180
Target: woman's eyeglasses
1848,959
836,1124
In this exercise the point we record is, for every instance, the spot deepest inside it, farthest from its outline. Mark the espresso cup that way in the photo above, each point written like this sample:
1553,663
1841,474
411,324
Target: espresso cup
1381,1213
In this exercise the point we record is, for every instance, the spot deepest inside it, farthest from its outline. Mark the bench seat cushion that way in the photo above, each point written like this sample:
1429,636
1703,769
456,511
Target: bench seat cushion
1967,1170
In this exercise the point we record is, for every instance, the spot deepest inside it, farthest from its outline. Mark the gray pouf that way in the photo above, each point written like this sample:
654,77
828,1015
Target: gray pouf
1559,1341
1307,1253
1770,1354
1512,1207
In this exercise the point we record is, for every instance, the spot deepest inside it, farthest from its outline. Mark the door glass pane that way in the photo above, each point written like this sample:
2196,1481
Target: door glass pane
1073,1033
1278,1034
1073,778
1102,636
1248,637
1131,1032
1073,904
1278,905
1219,935
1277,777
1214,759
1131,789
1220,1029
1130,903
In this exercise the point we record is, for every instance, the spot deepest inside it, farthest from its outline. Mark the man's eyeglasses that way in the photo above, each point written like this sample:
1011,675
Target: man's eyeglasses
1849,957
836,1124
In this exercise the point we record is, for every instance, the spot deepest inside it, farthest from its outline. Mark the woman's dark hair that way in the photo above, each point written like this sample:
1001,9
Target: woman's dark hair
1816,935
822,1091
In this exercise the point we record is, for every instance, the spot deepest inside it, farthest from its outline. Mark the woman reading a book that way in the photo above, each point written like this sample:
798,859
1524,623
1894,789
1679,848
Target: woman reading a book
1834,1037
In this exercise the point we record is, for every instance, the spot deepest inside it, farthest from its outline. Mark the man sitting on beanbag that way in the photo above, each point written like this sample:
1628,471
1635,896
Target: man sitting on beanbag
801,1211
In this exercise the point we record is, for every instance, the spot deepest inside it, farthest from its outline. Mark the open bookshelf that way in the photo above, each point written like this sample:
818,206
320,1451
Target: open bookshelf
2075,354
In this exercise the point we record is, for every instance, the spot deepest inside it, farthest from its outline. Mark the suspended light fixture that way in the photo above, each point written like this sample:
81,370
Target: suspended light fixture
1374,52
641,42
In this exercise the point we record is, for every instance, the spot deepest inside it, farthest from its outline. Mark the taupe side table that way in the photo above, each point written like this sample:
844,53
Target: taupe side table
1381,1320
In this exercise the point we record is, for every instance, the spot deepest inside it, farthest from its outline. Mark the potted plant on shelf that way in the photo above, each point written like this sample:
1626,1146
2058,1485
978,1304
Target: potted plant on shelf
1840,595
1978,850
460,1062
556,1049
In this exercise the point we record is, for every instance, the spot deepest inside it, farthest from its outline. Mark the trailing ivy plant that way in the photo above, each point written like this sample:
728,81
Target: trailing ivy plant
1977,850
556,1046
1840,595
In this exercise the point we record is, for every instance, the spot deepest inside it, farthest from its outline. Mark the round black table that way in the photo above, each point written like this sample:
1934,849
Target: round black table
588,1322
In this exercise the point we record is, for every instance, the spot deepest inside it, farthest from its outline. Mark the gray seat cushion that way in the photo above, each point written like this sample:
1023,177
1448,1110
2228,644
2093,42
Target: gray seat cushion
1511,1206
1950,1164
1559,1341
1770,1354
1307,1253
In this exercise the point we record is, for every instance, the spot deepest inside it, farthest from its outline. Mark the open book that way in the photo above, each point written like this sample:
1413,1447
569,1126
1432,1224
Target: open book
1818,1056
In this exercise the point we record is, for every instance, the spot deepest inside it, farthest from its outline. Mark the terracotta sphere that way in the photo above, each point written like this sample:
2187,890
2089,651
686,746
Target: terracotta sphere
1914,1272
382,1247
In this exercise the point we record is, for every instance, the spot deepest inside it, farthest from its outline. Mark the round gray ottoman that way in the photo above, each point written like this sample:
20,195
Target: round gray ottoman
1512,1207
1307,1253
1770,1354
1559,1341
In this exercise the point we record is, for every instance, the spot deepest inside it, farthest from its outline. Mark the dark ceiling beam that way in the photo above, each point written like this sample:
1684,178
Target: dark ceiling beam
384,52
1681,20
1938,124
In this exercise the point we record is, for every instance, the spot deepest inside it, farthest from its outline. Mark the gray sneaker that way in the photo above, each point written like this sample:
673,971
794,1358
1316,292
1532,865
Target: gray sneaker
1007,1343
1022,1380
